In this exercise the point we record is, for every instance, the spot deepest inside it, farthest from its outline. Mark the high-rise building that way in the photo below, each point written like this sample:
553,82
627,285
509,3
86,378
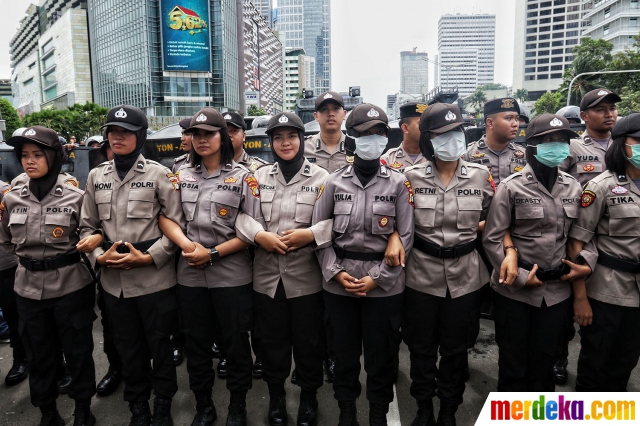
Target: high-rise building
414,72
391,100
306,24
294,77
613,20
309,73
50,58
265,8
546,33
466,51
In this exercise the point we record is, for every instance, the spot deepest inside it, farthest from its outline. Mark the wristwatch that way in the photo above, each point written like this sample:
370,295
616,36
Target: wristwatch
510,247
214,256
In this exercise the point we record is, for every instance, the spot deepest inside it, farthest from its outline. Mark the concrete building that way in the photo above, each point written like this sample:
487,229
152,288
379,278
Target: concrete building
546,33
5,90
466,51
265,7
306,24
294,77
613,20
50,57
310,73
414,72
391,99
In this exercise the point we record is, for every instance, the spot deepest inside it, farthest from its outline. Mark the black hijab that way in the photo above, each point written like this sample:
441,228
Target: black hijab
124,163
546,175
42,186
290,168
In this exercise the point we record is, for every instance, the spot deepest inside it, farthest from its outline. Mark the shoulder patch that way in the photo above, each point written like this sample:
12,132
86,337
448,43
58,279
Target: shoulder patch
490,180
408,185
2,209
588,197
317,198
174,181
72,182
253,186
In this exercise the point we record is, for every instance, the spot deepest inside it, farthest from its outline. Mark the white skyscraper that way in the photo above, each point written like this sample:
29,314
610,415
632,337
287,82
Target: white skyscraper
414,72
613,20
466,51
546,33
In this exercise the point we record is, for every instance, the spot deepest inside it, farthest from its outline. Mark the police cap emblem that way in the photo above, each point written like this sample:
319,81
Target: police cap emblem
450,116
507,103
555,122
227,117
420,108
328,96
373,113
201,118
603,92
30,132
283,119
121,113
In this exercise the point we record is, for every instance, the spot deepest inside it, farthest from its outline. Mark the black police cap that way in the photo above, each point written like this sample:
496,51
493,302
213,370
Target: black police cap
627,126
495,106
235,119
549,123
596,96
412,109
128,117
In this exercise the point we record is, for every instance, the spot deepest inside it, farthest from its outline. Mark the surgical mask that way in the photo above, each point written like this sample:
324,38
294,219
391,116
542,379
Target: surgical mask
551,154
370,147
449,146
635,155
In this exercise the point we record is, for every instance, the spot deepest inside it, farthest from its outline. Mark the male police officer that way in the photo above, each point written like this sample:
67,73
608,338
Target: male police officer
408,153
185,140
586,159
236,128
496,149
326,149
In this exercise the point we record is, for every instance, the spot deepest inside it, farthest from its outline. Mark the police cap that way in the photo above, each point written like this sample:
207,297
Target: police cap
128,117
235,119
596,96
184,123
441,118
38,135
412,109
365,116
495,106
549,123
325,97
284,119
627,126
207,119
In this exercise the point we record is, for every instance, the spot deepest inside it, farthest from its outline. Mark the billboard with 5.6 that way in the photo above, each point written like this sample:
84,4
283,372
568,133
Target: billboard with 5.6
186,44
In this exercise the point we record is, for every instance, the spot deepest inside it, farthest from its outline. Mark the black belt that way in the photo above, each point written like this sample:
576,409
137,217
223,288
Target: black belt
143,246
618,263
356,255
450,252
551,274
36,265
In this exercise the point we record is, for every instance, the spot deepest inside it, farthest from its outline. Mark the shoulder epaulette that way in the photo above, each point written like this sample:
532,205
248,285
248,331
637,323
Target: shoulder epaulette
155,163
180,158
565,174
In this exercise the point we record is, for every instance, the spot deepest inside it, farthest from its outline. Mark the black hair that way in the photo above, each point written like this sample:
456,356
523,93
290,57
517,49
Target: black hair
616,156
401,121
226,150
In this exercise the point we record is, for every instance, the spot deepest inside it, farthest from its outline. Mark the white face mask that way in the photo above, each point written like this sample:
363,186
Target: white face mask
449,146
370,147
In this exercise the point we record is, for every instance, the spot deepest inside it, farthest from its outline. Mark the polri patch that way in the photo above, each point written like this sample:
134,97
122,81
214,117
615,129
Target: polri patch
588,197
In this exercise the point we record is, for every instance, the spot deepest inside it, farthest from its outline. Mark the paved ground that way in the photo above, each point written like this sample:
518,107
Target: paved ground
15,408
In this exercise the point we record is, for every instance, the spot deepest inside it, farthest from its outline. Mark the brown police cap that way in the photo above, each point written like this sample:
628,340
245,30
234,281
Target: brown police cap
627,126
38,135
549,123
235,119
365,116
128,117
207,119
441,118
284,119
325,97
596,96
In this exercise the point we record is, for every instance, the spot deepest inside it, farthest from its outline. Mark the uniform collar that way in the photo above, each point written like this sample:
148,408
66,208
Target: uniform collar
400,152
529,175
320,145
463,170
58,190
587,140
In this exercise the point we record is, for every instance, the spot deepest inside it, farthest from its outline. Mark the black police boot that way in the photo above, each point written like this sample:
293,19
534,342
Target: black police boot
447,414
65,382
216,350
223,368
278,410
560,373
294,377
205,410
109,382
424,416
237,413
161,412
18,372
330,367
82,414
140,414
50,415
378,414
178,356
257,369
308,410
348,413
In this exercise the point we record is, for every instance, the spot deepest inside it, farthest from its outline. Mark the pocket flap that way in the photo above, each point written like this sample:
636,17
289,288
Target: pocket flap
621,211
384,209
342,207
571,210
267,196
18,219
103,197
529,212
227,198
306,198
190,196
424,202
469,203
57,219
146,194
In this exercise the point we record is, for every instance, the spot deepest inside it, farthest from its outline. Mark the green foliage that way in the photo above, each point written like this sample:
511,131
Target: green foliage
477,99
522,95
254,111
78,120
492,86
11,117
549,102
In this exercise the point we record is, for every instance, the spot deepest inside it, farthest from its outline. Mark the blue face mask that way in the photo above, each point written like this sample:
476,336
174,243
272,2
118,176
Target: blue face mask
635,155
551,154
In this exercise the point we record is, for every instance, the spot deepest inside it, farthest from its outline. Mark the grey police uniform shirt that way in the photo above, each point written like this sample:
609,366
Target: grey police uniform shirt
317,153
539,223
7,259
288,206
511,160
398,159
363,220
127,210
22,178
610,212
42,229
180,161
448,216
250,162
585,160
211,203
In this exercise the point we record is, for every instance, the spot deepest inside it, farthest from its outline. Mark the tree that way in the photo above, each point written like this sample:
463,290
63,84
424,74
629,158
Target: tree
477,99
589,56
522,95
254,110
11,117
78,120
549,102
492,86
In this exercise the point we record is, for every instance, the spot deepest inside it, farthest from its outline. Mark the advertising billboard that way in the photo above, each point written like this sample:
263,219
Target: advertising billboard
186,39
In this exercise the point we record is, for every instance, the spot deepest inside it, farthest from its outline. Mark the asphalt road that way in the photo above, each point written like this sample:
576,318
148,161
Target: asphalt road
16,409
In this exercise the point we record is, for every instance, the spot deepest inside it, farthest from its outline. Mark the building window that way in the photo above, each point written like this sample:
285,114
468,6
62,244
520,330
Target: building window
545,29
557,52
571,42
531,46
51,93
50,79
558,18
568,58
558,27
558,35
31,65
545,4
573,25
532,6
532,22
607,12
543,69
48,62
572,33
544,37
532,30
559,2
568,50
543,77
530,54
546,44
530,62
558,10
48,46
532,14
557,59
545,12
529,77
556,75
543,61
28,82
605,30
530,38
633,22
545,20
531,69
634,4
543,53
556,67
557,43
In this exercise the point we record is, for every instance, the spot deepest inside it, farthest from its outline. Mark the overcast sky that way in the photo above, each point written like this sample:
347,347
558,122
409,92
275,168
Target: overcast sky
367,37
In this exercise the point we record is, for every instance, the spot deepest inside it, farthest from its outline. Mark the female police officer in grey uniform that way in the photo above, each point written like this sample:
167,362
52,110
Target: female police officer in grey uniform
362,294
123,200
444,271
289,310
215,278
55,293
538,205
